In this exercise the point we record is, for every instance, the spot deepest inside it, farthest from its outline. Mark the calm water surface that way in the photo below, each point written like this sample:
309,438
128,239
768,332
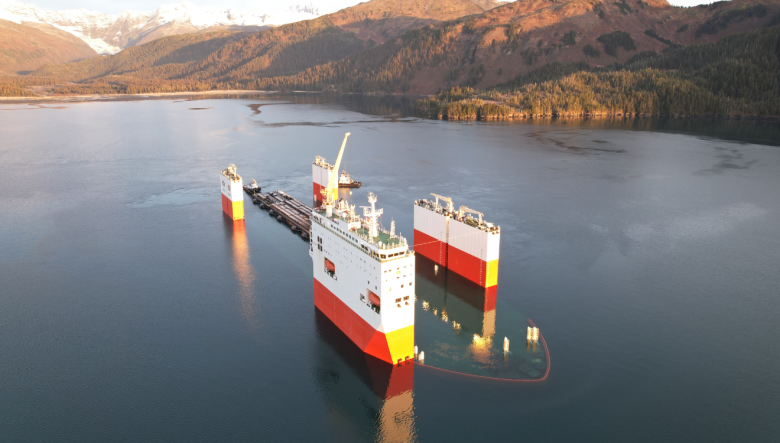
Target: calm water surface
646,252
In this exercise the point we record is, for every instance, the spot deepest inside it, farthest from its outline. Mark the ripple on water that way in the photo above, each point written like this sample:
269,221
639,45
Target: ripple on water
175,197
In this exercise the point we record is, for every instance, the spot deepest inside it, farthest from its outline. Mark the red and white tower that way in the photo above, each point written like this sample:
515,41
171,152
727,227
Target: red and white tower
472,249
431,226
321,174
466,245
232,193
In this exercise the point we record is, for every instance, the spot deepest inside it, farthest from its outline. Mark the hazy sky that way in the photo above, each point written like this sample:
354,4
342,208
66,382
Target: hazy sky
113,7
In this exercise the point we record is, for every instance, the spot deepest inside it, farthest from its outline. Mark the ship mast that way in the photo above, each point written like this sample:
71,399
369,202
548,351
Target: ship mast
371,214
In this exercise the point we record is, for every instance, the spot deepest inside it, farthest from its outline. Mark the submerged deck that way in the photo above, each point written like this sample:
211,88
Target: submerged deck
461,327
291,211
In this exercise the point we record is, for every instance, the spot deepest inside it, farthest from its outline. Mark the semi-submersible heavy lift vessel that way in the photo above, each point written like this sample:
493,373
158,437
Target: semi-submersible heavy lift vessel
348,250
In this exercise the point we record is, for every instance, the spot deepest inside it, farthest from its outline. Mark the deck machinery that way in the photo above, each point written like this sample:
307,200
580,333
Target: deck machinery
347,250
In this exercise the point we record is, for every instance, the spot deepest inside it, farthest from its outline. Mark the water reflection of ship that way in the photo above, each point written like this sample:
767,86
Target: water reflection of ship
243,270
466,305
366,396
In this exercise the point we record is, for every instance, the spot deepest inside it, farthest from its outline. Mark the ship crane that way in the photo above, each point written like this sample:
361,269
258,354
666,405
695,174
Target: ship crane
464,210
331,192
450,206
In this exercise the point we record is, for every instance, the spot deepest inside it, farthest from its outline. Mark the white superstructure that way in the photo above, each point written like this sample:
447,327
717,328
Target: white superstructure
456,239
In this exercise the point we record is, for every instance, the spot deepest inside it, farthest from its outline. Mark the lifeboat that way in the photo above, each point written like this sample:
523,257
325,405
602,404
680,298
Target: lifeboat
374,298
330,266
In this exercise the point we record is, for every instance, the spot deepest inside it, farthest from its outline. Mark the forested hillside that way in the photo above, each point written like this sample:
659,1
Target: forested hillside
223,60
536,57
23,48
737,76
380,20
494,47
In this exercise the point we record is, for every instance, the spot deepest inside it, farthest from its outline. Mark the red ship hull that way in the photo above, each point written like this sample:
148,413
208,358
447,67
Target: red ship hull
368,339
430,248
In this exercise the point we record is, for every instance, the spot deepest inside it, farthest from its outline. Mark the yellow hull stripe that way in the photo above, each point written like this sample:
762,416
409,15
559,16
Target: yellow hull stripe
401,343
491,273
238,210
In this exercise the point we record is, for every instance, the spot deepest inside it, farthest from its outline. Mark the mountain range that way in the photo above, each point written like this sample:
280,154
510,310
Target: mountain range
423,47
108,34
324,39
49,33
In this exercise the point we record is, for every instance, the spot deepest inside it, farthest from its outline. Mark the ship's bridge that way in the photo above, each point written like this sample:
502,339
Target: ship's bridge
344,223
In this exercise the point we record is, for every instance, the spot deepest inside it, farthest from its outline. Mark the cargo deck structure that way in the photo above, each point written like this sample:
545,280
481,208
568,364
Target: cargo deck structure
456,240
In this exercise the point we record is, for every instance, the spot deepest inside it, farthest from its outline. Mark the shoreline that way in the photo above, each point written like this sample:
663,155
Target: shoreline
590,116
224,93
119,97
150,95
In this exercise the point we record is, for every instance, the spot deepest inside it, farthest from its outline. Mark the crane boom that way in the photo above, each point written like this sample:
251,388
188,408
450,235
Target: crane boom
446,199
332,188
464,209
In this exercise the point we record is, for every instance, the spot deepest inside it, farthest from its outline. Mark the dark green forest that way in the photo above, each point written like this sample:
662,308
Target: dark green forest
737,76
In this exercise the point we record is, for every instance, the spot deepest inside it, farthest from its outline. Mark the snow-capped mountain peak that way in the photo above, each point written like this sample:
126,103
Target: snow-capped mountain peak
205,16
110,33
